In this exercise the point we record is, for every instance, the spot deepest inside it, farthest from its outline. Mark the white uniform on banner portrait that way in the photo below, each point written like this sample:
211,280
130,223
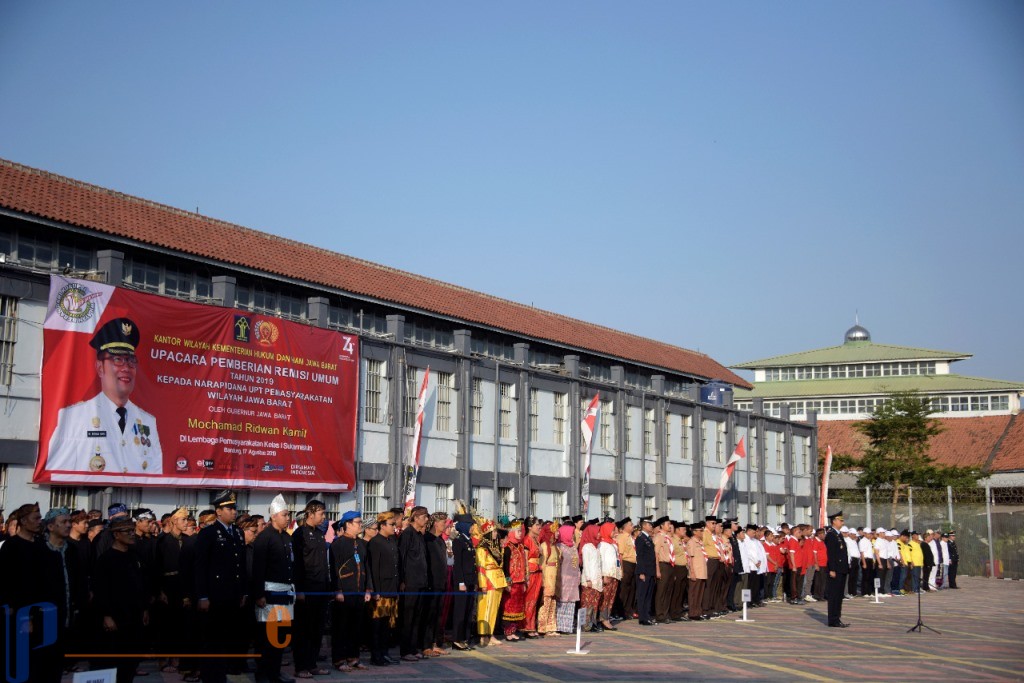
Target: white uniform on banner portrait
108,432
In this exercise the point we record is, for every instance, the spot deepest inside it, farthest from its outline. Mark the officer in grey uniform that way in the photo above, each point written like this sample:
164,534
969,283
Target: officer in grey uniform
108,433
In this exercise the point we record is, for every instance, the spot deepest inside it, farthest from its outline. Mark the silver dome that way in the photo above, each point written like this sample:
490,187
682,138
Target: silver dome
858,334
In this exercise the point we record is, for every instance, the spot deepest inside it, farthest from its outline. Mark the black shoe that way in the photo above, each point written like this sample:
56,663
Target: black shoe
594,629
392,660
461,646
379,662
839,625
646,623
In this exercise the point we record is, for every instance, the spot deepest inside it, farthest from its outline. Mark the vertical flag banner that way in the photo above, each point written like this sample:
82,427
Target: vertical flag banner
738,454
589,426
823,503
413,469
139,389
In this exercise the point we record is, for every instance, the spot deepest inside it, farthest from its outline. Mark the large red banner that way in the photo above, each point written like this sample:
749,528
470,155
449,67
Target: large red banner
139,389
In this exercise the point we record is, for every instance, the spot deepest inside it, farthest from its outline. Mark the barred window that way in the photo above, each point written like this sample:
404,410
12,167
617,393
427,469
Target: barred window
780,444
720,442
412,397
374,412
477,407
505,411
63,497
332,505
373,498
3,486
474,498
560,504
506,502
534,413
8,337
608,505
442,497
649,432
685,443
649,505
752,448
445,390
627,432
605,436
130,497
668,434
188,498
558,423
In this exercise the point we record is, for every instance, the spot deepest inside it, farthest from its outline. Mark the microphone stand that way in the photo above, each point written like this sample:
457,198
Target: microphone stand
920,624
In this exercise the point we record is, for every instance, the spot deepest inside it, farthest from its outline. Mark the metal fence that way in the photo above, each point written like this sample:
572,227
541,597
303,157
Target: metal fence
989,522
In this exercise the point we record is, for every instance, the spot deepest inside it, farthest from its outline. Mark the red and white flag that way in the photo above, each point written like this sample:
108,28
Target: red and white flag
589,425
738,454
413,469
823,503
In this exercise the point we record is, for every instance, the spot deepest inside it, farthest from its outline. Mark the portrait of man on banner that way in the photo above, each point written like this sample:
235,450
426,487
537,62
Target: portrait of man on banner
108,432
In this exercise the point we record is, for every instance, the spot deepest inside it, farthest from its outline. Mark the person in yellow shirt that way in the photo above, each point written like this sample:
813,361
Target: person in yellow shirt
490,578
916,560
903,568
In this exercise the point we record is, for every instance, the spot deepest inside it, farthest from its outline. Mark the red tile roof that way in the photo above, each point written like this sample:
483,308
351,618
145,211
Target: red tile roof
62,199
995,443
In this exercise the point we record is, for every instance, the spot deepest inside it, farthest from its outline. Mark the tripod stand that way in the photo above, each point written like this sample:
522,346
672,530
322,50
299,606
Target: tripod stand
920,624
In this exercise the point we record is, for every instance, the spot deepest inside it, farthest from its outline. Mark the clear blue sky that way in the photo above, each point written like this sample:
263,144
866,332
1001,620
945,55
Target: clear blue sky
735,177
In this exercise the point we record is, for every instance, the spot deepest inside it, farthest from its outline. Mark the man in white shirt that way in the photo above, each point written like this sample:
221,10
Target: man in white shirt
867,563
933,543
853,548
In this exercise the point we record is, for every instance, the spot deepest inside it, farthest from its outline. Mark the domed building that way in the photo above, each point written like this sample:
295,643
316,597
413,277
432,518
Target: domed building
843,384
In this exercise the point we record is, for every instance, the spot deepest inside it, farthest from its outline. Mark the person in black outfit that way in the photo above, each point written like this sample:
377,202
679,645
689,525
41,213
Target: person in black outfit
954,557
352,587
220,586
171,591
838,568
67,579
272,590
414,583
929,561
437,563
120,601
646,568
382,551
464,582
312,575
24,558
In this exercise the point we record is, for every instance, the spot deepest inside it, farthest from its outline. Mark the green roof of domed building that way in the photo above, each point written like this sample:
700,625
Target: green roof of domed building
853,352
874,386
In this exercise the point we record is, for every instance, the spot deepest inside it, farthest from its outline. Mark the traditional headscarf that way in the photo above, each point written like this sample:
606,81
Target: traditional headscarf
463,528
546,534
566,534
591,536
608,532
54,513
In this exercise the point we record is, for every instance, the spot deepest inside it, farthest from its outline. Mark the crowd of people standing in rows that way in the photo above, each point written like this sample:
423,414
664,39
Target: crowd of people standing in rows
225,586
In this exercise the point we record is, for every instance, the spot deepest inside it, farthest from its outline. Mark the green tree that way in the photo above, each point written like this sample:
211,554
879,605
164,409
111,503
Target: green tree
896,454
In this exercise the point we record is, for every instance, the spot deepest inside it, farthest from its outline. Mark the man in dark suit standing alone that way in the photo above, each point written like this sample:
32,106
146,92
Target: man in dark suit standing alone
838,569
646,569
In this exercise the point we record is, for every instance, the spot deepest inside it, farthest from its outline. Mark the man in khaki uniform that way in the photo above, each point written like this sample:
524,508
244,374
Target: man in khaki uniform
697,572
665,554
627,551
679,573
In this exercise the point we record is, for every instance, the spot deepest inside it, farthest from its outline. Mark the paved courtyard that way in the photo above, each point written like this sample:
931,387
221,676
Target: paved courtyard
982,639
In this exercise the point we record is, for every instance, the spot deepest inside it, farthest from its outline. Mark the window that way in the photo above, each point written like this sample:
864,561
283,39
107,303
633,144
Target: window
533,502
668,433
131,498
422,334
373,498
605,437
332,505
477,407
505,411
720,442
649,505
630,502
374,409
805,454
189,499
64,497
412,397
627,431
649,432
534,413
1000,403
607,505
506,502
445,390
752,448
153,277
704,440
780,513
780,443
560,504
8,337
442,498
474,498
35,252
558,423
687,428
3,485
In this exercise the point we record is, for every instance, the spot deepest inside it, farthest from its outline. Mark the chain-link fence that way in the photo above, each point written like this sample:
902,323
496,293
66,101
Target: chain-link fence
989,522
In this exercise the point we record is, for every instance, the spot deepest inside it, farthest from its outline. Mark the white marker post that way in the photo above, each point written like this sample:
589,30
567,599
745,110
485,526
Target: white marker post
878,584
745,594
579,634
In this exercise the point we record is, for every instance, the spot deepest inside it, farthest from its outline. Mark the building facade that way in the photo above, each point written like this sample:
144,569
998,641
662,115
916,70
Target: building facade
511,382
